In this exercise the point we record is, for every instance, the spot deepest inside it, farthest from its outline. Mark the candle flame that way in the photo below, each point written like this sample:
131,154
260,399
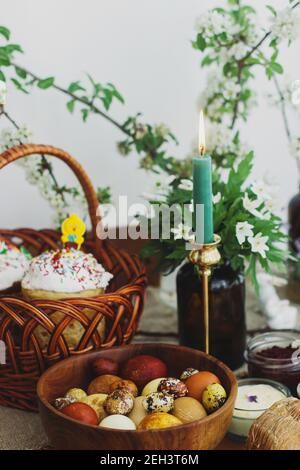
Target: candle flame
202,146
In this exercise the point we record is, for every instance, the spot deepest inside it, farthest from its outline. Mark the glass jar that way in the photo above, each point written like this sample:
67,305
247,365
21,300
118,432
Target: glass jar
226,312
284,370
243,418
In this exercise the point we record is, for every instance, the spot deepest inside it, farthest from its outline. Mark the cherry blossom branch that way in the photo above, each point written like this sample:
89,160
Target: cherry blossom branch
242,63
237,103
9,118
282,103
283,108
45,164
262,40
74,97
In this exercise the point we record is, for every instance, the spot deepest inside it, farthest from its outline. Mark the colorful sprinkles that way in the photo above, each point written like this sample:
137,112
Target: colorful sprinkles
66,270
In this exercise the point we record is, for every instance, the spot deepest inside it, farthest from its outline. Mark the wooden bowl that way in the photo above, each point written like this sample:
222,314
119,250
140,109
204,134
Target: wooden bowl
66,433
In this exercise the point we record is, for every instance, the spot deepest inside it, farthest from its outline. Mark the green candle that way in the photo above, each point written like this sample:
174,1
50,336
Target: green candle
202,178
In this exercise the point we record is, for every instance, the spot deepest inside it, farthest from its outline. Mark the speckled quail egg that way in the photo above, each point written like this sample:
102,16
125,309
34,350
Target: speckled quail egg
76,393
119,402
213,397
158,401
174,387
188,373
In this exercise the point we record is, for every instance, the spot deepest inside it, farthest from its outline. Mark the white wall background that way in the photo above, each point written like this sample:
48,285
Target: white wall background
144,48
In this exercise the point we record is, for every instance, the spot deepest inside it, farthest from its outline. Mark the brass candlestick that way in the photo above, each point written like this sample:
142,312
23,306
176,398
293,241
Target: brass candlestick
205,258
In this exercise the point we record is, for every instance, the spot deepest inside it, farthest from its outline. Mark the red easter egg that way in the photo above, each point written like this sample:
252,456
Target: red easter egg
81,412
103,366
142,369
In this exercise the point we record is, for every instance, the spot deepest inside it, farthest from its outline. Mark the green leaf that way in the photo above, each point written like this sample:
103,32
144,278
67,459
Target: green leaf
45,83
19,86
207,60
272,9
104,195
252,271
21,72
274,55
277,67
269,71
274,42
201,42
85,113
2,76
245,166
5,32
25,252
10,48
4,57
70,105
230,69
116,93
106,99
75,86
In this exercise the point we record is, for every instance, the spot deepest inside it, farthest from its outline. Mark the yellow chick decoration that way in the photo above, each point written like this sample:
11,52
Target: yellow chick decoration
73,229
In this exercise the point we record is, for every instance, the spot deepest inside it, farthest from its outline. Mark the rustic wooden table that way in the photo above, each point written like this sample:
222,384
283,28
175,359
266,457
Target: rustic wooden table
228,444
22,430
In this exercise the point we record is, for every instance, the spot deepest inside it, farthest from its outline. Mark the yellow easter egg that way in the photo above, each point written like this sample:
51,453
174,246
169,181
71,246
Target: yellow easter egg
158,420
151,387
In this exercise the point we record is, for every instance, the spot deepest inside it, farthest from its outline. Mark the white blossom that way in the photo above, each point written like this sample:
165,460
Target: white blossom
140,131
36,175
295,92
153,196
182,232
238,51
217,198
252,205
259,244
243,230
286,25
214,109
3,93
161,130
186,185
271,205
8,139
231,89
220,139
261,190
24,134
253,34
295,148
169,180
211,23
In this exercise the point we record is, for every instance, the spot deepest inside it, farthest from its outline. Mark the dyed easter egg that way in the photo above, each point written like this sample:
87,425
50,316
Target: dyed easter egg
197,383
158,421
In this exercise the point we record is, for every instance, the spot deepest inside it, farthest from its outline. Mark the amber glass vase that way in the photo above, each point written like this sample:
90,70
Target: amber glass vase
227,312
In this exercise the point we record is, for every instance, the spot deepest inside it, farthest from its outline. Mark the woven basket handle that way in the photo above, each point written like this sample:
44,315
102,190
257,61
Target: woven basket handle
21,151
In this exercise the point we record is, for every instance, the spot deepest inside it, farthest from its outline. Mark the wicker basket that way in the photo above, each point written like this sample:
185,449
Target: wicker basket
121,305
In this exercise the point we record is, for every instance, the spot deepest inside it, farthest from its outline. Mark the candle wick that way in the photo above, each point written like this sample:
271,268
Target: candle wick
202,149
